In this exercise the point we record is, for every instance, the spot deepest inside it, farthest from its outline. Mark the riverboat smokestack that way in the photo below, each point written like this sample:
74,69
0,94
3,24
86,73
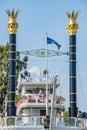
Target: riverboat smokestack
72,30
12,29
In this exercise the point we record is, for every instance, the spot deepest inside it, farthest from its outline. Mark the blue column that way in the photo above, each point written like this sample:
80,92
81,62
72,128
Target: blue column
11,111
72,76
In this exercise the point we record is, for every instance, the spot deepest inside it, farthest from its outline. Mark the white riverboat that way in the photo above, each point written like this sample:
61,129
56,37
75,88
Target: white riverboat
31,109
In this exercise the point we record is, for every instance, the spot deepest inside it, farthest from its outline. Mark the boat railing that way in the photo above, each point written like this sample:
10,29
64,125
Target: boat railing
39,121
70,121
34,99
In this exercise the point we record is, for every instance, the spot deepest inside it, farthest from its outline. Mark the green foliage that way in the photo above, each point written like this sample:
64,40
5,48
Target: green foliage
66,113
4,67
18,97
57,99
21,64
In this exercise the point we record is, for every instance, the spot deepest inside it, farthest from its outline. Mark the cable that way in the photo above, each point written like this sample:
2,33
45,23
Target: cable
85,104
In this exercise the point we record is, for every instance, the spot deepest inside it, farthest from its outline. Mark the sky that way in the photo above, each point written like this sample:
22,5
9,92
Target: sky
38,17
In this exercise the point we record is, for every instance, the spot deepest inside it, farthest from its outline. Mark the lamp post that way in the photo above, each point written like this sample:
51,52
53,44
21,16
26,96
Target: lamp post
12,26
72,30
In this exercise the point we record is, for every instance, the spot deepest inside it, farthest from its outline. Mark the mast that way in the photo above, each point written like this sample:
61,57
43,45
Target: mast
47,119
47,111
12,26
53,98
72,30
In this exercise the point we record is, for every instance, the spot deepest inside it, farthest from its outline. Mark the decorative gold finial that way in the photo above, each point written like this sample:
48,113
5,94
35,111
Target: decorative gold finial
12,24
72,26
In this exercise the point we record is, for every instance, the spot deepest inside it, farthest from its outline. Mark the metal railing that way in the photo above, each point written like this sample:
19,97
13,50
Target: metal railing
39,121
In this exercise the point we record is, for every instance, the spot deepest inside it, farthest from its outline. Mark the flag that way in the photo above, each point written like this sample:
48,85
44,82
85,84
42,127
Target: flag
51,41
21,101
62,99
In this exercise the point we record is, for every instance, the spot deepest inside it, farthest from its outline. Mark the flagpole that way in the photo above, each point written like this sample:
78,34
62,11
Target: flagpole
46,77
47,119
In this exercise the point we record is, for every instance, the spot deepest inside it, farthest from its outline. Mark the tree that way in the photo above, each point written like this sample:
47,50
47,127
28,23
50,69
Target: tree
21,64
